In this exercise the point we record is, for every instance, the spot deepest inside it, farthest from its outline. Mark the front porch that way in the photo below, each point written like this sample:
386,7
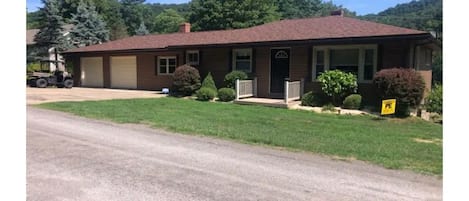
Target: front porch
246,94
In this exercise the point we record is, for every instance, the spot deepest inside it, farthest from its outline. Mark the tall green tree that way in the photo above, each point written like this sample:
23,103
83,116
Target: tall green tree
167,22
290,9
89,27
51,33
231,14
33,19
132,14
110,10
142,30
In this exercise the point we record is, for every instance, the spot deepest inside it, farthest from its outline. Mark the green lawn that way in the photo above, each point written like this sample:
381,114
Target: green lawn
394,143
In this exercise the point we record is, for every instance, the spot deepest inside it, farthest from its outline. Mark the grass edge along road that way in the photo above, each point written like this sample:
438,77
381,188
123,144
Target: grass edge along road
393,143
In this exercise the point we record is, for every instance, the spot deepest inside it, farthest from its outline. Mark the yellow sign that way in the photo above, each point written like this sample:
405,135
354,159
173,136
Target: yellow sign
388,106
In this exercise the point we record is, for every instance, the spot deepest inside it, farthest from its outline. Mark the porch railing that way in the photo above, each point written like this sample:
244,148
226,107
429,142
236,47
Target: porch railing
293,90
246,88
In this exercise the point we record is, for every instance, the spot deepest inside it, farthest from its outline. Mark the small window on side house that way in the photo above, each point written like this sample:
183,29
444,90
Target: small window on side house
192,57
166,65
242,60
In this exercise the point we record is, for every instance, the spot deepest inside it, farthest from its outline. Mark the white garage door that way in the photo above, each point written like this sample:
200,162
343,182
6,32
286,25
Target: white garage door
124,72
91,71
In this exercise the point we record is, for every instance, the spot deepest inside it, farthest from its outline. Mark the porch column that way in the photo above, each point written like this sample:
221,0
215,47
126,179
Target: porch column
237,89
286,91
254,86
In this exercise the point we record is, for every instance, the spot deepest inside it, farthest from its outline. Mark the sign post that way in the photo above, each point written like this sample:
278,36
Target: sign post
388,106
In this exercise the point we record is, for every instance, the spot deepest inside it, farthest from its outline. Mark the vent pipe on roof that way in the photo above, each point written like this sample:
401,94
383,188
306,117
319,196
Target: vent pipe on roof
185,28
337,13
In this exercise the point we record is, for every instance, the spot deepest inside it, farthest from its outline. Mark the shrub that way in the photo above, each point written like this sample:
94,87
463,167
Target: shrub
405,85
328,107
313,99
226,94
205,94
353,101
33,67
186,80
230,78
434,101
209,83
337,84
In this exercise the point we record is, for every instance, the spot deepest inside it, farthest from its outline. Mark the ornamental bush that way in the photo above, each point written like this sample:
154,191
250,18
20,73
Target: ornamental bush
404,84
434,101
313,99
337,84
230,78
353,101
226,94
186,79
209,83
205,94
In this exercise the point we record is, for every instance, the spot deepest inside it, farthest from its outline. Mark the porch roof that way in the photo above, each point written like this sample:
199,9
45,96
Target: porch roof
319,28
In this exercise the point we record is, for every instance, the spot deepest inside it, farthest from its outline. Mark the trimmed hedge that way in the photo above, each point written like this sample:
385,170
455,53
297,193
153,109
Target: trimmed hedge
186,79
313,99
230,78
404,84
353,101
205,94
226,94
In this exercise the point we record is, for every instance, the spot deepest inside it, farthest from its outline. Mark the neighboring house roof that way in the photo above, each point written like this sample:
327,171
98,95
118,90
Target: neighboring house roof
331,27
31,33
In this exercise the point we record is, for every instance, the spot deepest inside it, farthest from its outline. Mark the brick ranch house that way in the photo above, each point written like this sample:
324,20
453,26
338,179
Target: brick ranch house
294,49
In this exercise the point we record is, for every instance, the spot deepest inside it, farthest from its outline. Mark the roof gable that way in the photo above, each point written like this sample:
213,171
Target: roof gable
331,27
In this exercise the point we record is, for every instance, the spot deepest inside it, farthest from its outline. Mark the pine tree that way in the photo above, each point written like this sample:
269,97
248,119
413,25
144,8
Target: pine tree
51,33
89,27
142,30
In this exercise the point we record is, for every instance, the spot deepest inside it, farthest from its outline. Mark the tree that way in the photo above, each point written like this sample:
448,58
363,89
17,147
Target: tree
51,33
33,19
142,30
132,14
231,14
290,9
167,22
89,27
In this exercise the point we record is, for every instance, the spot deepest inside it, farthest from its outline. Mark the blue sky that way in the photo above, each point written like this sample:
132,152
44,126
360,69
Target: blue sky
362,7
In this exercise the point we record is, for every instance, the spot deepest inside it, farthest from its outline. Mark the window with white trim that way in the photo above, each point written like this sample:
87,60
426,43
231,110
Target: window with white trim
242,60
361,60
166,65
192,57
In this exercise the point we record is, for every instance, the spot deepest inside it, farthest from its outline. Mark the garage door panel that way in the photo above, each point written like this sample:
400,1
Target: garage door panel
91,71
124,72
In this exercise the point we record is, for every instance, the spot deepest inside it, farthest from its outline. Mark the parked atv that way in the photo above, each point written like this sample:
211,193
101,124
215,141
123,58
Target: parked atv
45,77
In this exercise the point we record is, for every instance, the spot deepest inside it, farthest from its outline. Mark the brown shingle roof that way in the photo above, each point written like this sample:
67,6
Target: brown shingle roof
331,27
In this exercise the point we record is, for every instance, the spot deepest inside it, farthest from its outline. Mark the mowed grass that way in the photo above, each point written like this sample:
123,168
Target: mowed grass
393,143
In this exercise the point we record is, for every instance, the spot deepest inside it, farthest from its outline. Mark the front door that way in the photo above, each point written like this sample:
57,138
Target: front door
279,69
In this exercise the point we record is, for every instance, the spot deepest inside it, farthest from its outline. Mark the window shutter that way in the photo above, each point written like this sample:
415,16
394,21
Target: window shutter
253,64
380,58
156,65
184,57
309,77
230,60
200,58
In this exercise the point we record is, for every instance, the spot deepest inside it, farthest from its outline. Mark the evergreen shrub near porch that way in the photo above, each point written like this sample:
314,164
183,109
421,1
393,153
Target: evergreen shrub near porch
186,80
230,78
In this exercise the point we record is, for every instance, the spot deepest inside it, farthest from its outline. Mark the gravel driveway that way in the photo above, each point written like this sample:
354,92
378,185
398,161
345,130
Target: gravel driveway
74,158
43,95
